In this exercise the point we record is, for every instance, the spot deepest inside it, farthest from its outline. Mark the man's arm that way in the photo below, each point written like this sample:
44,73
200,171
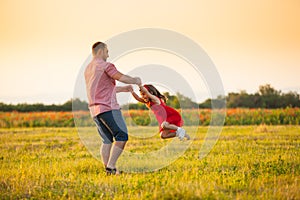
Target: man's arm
127,88
127,79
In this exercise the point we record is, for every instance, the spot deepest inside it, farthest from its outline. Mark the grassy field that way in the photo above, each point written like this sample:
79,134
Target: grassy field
247,162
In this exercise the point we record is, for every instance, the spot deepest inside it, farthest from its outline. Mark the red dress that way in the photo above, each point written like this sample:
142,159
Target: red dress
163,113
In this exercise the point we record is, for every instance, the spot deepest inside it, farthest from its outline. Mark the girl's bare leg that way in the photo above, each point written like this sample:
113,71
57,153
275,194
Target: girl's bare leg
167,127
165,134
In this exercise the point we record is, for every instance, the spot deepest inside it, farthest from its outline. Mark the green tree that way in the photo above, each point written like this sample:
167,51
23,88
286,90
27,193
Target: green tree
185,102
269,96
77,104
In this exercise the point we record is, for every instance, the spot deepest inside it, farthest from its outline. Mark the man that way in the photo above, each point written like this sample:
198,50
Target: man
100,78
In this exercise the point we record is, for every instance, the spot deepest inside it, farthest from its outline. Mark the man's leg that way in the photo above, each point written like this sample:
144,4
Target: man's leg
114,126
115,154
105,153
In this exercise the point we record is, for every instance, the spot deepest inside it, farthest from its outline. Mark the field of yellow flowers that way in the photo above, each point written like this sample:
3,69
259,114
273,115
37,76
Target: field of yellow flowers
257,156
247,162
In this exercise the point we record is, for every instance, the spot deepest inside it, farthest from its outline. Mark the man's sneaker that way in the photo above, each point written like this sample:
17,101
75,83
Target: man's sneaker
114,171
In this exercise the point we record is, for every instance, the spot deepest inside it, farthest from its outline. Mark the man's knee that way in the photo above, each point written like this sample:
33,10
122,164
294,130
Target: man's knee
120,144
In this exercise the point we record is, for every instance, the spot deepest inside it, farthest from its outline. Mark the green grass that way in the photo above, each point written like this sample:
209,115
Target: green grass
248,162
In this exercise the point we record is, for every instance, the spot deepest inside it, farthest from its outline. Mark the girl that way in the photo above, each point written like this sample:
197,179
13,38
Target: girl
169,119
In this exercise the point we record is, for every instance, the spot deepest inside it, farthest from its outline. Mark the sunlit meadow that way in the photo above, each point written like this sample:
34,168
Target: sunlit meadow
248,162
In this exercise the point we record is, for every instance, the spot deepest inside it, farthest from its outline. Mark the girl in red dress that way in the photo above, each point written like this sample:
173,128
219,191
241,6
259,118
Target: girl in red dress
170,121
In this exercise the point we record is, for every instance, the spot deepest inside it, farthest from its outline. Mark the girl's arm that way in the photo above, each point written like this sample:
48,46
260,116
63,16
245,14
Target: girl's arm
153,98
139,99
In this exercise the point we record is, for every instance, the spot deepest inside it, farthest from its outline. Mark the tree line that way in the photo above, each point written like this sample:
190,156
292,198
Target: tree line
265,97
76,104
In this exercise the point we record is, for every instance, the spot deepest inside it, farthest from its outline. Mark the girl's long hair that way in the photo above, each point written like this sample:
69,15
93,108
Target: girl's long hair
155,92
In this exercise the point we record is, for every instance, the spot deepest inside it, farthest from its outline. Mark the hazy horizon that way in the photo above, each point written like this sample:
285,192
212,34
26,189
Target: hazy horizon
123,99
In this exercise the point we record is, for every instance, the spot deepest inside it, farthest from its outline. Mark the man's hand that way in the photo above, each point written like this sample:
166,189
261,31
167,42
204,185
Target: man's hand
138,81
128,88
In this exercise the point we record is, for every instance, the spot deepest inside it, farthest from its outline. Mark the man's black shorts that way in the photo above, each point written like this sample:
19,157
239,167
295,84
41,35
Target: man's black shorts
111,125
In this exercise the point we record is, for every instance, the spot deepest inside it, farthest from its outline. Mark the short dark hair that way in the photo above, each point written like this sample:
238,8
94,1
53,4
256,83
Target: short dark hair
97,46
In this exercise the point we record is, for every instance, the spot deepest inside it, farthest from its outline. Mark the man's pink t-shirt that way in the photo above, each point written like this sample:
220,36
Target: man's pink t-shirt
100,86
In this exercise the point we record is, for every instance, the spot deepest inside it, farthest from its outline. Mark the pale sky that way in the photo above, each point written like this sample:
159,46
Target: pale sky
43,43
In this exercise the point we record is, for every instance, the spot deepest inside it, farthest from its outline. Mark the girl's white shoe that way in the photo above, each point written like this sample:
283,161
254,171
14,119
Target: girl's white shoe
181,134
